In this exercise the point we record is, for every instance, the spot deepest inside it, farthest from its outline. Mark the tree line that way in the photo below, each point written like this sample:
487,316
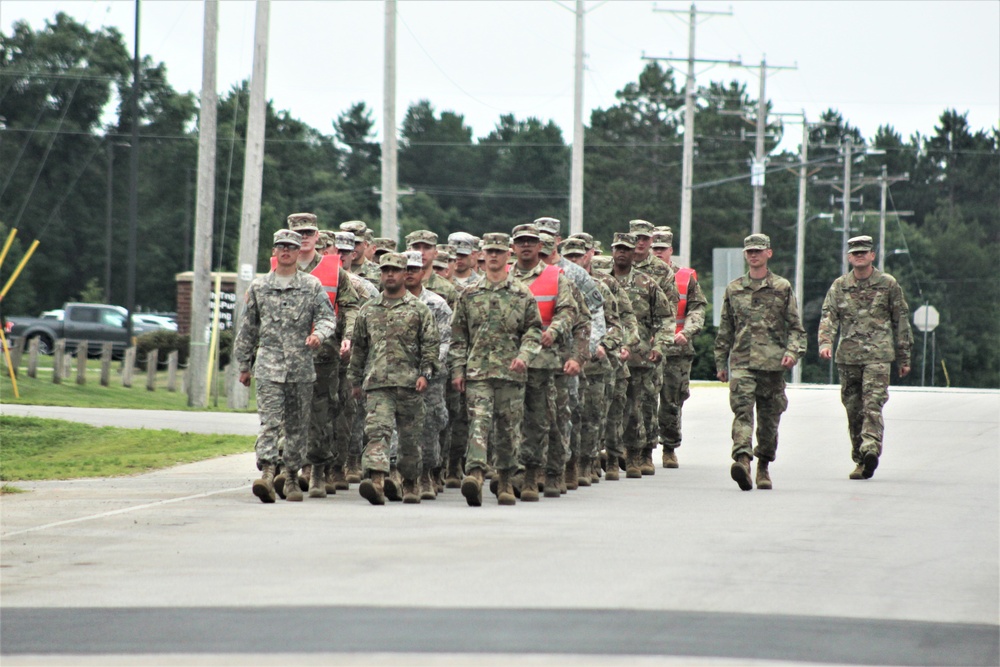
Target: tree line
65,126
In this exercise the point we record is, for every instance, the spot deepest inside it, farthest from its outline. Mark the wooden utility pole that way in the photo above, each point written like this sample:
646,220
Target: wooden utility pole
390,227
576,167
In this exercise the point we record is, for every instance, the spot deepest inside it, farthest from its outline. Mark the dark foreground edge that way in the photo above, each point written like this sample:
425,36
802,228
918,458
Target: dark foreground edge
233,630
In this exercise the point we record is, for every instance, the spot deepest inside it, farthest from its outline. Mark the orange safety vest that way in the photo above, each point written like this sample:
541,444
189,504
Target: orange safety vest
546,288
328,272
683,278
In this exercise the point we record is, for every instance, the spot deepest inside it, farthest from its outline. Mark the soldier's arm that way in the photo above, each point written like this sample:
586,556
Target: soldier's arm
694,312
348,303
324,319
430,343
531,331
663,314
459,351
829,323
901,332
724,338
565,313
359,345
443,322
249,333
796,346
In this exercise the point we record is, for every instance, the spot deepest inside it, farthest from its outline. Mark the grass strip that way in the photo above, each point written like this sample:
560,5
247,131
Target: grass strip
38,449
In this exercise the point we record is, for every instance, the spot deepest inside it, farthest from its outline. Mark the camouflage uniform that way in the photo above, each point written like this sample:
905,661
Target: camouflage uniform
368,270
872,317
443,288
617,389
350,421
759,326
278,319
435,409
677,367
598,374
395,342
494,323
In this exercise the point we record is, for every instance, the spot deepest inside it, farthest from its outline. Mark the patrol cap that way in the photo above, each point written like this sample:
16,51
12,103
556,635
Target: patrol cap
588,240
573,246
462,246
496,241
601,263
384,244
548,244
477,243
521,231
550,225
446,251
323,239
440,263
392,260
623,239
356,227
757,242
297,221
421,236
860,244
414,259
287,236
598,248
662,240
640,228
665,231
460,236
343,240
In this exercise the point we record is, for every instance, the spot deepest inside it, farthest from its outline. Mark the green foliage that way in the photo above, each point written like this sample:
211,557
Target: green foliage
165,342
92,292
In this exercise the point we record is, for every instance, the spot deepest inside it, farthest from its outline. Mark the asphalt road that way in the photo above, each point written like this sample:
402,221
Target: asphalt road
185,566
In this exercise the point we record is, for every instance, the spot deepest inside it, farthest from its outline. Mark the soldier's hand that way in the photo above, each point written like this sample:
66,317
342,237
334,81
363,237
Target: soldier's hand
826,353
571,367
601,352
654,356
623,355
547,338
680,339
518,365
787,361
245,378
723,376
904,371
421,384
356,393
345,349
459,385
313,342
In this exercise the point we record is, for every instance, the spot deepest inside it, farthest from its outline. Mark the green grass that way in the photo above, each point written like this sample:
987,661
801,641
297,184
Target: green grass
42,391
36,449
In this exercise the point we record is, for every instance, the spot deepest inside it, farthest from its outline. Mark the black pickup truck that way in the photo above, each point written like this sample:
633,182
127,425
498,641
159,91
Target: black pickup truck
90,322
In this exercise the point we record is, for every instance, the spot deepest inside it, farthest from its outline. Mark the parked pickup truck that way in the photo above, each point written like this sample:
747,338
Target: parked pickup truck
91,322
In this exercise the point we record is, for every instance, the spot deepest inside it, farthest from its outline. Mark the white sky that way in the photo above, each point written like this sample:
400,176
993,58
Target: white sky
898,63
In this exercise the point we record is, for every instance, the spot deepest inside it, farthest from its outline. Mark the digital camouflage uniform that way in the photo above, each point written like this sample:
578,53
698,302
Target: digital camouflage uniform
435,409
872,317
677,366
277,320
395,342
598,374
368,270
617,387
759,326
350,422
493,324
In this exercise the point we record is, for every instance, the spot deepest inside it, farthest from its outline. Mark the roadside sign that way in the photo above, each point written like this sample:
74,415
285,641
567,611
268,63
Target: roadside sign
926,318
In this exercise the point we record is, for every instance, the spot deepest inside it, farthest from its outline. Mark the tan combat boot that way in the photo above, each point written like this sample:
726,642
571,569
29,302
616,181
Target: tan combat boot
352,473
293,492
763,479
304,476
428,491
472,487
373,488
263,488
740,472
553,481
529,488
394,485
411,492
505,495
669,457
611,472
437,477
583,475
329,481
279,481
633,462
338,477
595,471
858,472
453,477
571,478
317,482
646,465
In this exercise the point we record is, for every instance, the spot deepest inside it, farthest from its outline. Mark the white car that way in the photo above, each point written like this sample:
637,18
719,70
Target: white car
161,321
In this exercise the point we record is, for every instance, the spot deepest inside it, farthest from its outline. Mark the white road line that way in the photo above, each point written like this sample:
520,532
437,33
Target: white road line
124,510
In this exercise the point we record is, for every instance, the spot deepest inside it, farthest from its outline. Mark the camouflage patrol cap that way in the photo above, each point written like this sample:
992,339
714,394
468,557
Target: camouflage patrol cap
324,239
446,251
548,244
624,239
757,242
462,246
496,241
550,225
440,263
297,221
640,227
662,240
601,263
588,240
598,247
521,231
860,244
573,246
356,227
421,236
392,260
667,231
463,236
414,259
383,244
343,240
287,236
477,243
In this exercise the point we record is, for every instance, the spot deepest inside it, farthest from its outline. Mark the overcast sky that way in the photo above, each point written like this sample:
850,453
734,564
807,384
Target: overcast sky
897,63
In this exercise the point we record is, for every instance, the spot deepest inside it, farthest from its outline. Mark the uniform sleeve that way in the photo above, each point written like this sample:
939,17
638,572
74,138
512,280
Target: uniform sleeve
324,319
903,335
348,303
694,311
249,333
613,335
430,342
796,346
582,328
830,321
565,313
443,317
359,349
458,353
663,313
630,325
724,338
531,331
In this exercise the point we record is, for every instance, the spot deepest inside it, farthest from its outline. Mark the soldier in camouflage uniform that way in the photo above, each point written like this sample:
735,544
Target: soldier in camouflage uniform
543,444
496,330
680,352
649,264
654,314
287,316
761,337
435,410
465,259
869,310
382,246
424,241
396,346
363,240
455,438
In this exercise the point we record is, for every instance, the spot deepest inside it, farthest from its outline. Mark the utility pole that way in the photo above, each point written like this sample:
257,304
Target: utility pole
848,160
884,180
204,211
133,186
576,168
253,175
800,233
390,228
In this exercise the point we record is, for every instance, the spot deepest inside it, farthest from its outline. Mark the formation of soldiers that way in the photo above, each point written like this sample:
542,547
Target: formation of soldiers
527,362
